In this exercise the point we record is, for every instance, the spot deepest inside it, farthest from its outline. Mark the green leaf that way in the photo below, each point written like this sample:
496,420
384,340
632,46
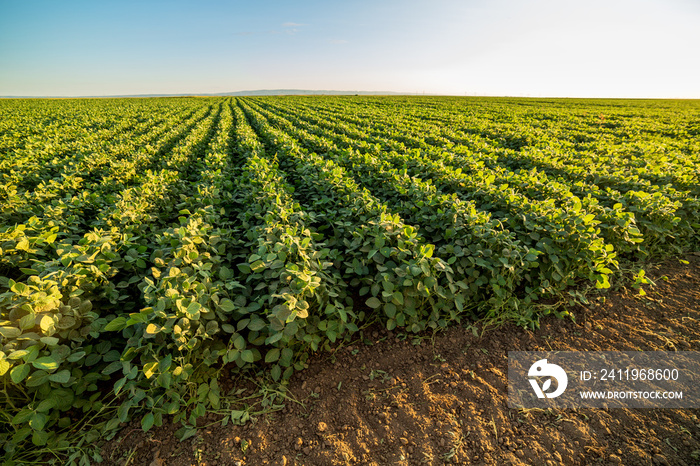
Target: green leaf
112,355
287,355
38,421
46,405
247,356
19,373
373,302
119,385
390,310
275,337
49,341
64,398
193,310
46,363
228,328
164,364
60,377
147,422
77,356
40,437
227,305
276,372
27,322
10,332
256,324
112,424
272,355
116,324
225,273
123,411
239,342
22,417
111,368
183,433
136,318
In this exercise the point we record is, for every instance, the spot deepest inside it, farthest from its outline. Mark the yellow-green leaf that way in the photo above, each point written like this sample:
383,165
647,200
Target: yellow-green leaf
149,369
46,363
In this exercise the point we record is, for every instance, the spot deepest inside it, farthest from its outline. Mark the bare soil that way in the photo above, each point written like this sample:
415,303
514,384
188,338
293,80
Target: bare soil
443,399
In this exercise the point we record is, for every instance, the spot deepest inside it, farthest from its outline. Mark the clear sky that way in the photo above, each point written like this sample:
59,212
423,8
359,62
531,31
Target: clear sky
586,48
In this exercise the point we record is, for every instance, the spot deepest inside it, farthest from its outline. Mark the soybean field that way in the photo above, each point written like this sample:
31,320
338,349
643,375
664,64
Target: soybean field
147,244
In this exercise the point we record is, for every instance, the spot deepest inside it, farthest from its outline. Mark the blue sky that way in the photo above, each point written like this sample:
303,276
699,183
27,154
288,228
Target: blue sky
592,48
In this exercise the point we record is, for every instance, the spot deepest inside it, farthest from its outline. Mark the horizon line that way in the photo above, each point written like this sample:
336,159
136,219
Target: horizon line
327,92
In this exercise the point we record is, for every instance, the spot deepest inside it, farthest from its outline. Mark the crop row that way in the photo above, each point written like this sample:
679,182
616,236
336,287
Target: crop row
145,245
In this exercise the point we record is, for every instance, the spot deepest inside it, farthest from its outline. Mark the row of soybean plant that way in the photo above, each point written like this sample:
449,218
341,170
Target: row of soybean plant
666,213
385,259
534,223
61,287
